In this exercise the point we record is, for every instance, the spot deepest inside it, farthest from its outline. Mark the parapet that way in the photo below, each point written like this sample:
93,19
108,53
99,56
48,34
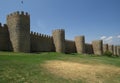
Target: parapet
97,41
39,35
59,30
80,38
17,13
4,26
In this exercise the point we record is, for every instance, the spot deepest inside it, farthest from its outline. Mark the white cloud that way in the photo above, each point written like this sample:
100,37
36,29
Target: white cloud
115,40
118,36
109,38
103,37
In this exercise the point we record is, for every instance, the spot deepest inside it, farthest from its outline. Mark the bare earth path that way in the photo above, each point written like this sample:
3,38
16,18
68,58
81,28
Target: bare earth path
87,72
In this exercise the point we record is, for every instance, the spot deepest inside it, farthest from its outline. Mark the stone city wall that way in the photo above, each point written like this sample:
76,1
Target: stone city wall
41,42
5,44
70,46
16,36
88,49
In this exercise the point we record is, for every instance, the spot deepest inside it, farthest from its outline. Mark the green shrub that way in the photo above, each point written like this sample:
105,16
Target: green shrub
107,53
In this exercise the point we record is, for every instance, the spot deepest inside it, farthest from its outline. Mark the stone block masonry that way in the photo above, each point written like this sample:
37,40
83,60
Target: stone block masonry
97,47
118,50
15,36
5,44
41,42
88,49
111,49
105,48
59,40
80,44
115,50
70,46
19,30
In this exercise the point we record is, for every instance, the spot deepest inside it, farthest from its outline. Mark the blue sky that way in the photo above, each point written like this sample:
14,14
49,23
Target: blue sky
96,19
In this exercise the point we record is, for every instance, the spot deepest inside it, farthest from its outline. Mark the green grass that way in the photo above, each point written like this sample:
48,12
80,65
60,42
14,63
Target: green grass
26,67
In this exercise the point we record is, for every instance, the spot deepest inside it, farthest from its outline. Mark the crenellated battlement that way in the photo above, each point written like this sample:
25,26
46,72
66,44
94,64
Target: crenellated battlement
58,30
17,13
3,27
19,23
4,38
39,35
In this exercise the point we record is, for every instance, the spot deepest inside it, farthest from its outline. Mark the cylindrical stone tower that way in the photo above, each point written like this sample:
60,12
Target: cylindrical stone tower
80,44
105,47
97,47
118,50
59,40
110,48
19,30
115,50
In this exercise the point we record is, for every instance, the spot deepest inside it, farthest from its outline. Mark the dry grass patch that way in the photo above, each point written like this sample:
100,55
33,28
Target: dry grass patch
86,72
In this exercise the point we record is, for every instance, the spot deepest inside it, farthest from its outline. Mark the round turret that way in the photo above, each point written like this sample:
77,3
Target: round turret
115,50
118,50
97,47
59,40
110,48
19,30
105,47
80,44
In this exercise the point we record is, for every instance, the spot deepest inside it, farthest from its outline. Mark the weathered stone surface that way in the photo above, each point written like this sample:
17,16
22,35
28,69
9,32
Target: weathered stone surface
80,44
115,50
105,47
110,48
41,43
19,29
5,44
88,49
59,40
97,47
118,50
70,46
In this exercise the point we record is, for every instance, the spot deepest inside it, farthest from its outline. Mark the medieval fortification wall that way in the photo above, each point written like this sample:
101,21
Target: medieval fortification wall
5,44
41,42
15,36
70,46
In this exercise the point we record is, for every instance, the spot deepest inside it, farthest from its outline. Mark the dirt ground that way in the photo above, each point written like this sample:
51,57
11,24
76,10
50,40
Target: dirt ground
75,71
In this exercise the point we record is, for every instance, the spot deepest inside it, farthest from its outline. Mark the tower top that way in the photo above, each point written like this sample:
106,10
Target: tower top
59,30
18,13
